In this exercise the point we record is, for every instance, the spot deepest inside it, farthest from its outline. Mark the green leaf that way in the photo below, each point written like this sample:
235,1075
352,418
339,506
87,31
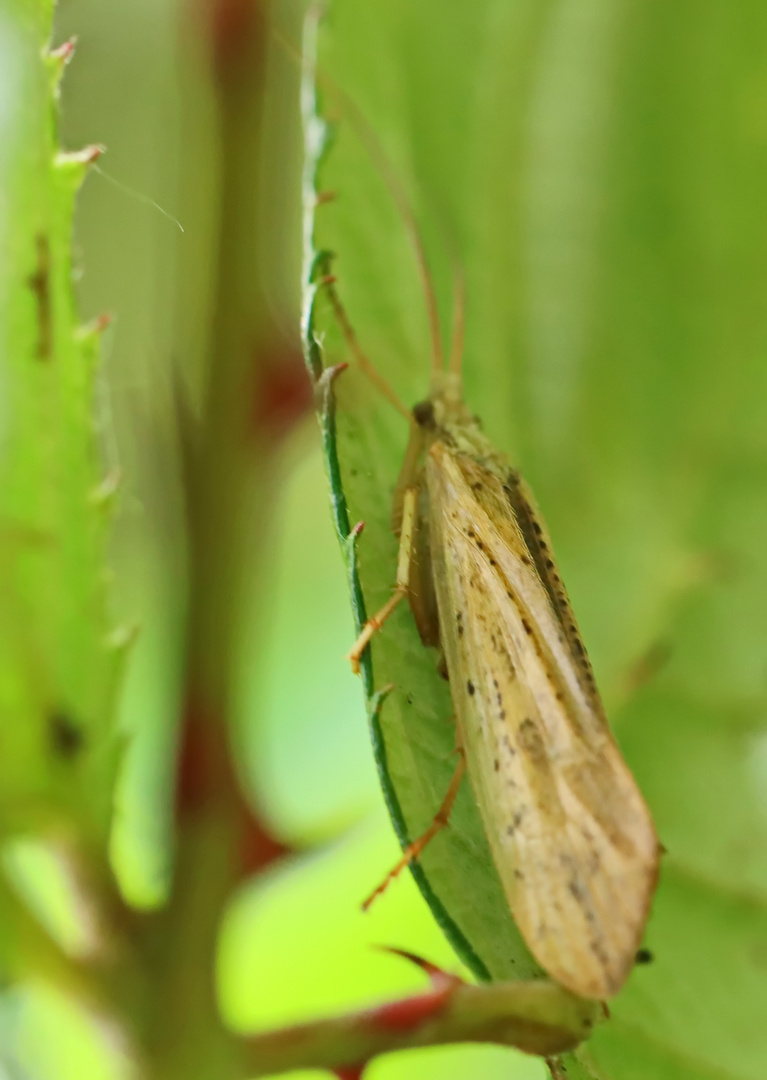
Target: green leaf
600,168
58,661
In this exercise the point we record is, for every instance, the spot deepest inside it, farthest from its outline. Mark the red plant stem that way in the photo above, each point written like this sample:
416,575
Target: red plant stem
219,836
537,1017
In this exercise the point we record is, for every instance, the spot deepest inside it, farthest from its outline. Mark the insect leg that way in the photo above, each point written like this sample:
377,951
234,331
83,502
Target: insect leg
408,475
459,325
441,818
557,1073
402,583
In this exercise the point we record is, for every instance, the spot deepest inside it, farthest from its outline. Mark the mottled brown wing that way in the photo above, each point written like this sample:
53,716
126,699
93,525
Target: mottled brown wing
571,836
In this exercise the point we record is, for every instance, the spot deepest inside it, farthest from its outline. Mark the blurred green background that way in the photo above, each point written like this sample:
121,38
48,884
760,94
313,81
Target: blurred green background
602,168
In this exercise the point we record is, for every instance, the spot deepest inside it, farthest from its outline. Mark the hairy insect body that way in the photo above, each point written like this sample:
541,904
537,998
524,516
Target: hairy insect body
571,836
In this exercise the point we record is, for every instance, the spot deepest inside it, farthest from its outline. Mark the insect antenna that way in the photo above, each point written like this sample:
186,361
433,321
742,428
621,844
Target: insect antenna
378,156
365,365
459,328
380,160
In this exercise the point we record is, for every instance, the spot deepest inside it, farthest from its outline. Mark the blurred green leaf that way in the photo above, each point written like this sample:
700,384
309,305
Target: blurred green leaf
58,1042
310,753
58,664
601,169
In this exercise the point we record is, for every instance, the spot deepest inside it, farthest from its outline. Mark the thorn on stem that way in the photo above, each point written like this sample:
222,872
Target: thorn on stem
86,156
65,51
437,974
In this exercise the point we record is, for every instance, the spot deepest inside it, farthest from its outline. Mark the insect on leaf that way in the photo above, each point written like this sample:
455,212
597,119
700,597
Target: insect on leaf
571,838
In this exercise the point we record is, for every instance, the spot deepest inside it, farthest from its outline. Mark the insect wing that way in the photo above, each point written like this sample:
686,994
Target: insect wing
571,836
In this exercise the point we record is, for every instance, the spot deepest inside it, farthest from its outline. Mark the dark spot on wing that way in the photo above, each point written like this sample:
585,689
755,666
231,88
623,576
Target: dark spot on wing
470,688
531,741
576,889
598,950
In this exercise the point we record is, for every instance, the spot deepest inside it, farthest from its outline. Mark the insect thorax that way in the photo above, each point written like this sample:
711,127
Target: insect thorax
444,417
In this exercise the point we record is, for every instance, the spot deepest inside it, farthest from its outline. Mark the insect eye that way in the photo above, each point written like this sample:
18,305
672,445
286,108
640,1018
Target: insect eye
423,414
